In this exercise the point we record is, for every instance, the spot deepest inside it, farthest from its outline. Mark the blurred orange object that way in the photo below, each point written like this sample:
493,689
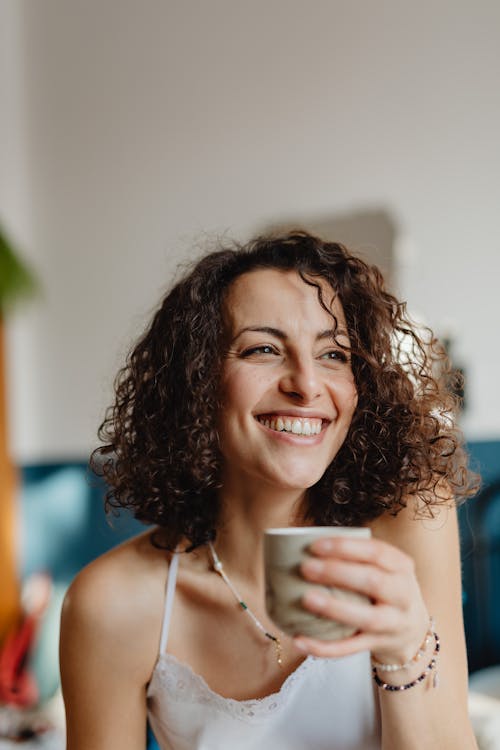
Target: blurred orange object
10,605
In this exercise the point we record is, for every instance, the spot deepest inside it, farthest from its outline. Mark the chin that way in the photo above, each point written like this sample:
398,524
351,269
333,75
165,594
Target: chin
299,481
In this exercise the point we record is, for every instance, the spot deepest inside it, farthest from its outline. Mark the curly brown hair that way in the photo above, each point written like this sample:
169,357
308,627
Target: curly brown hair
160,455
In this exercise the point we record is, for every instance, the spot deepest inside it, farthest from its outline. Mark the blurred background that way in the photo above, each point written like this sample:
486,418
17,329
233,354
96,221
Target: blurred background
134,134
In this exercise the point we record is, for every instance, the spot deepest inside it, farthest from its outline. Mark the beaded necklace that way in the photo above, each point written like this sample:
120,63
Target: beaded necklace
217,566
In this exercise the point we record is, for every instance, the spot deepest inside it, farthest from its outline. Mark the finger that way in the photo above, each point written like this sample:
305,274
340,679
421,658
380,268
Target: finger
335,649
370,580
359,615
373,551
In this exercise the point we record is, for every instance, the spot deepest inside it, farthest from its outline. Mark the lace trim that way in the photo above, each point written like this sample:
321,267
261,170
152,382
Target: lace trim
178,680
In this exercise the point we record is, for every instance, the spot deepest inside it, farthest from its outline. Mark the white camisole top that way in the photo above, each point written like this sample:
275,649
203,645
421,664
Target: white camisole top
325,704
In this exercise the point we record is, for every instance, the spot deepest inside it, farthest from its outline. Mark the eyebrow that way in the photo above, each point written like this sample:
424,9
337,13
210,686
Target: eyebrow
328,333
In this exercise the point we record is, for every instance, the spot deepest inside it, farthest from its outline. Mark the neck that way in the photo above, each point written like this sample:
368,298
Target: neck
246,513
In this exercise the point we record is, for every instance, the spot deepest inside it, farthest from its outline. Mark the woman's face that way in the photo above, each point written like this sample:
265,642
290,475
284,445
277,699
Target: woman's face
287,386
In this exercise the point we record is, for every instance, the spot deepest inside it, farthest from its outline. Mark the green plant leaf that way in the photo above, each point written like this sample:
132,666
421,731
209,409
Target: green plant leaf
16,280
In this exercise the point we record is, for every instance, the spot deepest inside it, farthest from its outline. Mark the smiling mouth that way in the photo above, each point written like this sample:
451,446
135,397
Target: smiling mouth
294,425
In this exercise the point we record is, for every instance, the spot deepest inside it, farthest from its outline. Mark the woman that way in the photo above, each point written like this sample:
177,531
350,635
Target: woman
278,384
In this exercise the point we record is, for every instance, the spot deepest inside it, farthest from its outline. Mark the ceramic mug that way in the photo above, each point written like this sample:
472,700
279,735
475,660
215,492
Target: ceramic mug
284,550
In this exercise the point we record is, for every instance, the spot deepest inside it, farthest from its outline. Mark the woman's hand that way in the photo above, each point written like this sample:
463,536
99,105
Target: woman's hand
393,625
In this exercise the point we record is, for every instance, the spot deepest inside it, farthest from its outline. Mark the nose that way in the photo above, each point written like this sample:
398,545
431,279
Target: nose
300,380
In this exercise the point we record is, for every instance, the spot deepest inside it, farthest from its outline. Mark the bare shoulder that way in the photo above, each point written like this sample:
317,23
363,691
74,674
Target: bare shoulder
110,630
118,599
415,531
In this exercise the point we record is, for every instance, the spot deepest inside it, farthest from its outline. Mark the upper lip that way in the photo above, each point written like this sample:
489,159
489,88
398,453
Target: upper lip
300,413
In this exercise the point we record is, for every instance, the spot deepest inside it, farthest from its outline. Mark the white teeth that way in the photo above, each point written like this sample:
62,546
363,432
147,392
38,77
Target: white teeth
296,426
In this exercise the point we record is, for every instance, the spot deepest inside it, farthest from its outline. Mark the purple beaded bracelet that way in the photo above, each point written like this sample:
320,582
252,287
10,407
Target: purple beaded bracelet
431,665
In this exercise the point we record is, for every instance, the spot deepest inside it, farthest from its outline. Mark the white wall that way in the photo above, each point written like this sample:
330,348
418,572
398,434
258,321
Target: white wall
139,126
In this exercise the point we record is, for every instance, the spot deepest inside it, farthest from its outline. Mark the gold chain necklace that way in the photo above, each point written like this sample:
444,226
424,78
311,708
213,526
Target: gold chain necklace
217,566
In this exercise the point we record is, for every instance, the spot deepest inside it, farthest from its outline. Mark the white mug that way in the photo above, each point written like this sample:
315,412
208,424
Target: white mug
284,550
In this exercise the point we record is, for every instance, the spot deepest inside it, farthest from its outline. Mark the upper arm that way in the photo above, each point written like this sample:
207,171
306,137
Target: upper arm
434,546
104,665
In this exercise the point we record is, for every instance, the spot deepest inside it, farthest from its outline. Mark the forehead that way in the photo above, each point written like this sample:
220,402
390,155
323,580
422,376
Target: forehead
281,297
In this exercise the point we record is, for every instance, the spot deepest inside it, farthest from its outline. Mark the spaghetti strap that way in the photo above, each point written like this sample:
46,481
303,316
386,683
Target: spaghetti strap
169,600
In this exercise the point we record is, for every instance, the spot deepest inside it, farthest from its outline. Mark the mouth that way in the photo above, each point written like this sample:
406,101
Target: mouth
295,425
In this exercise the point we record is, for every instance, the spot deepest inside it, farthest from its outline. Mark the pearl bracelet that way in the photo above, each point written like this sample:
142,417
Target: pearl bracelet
432,665
421,651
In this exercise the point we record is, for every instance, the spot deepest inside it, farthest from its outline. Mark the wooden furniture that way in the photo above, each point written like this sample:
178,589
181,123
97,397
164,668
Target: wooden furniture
9,584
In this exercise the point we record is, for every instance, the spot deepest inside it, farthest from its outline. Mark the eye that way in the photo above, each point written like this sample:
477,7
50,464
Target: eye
262,349
335,355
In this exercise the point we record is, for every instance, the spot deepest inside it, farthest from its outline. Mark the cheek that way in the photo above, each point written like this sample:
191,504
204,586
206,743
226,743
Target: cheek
237,402
347,397
231,388
243,389
240,396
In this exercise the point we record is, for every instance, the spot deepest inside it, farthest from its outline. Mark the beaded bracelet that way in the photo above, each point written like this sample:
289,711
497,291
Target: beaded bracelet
431,665
421,651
